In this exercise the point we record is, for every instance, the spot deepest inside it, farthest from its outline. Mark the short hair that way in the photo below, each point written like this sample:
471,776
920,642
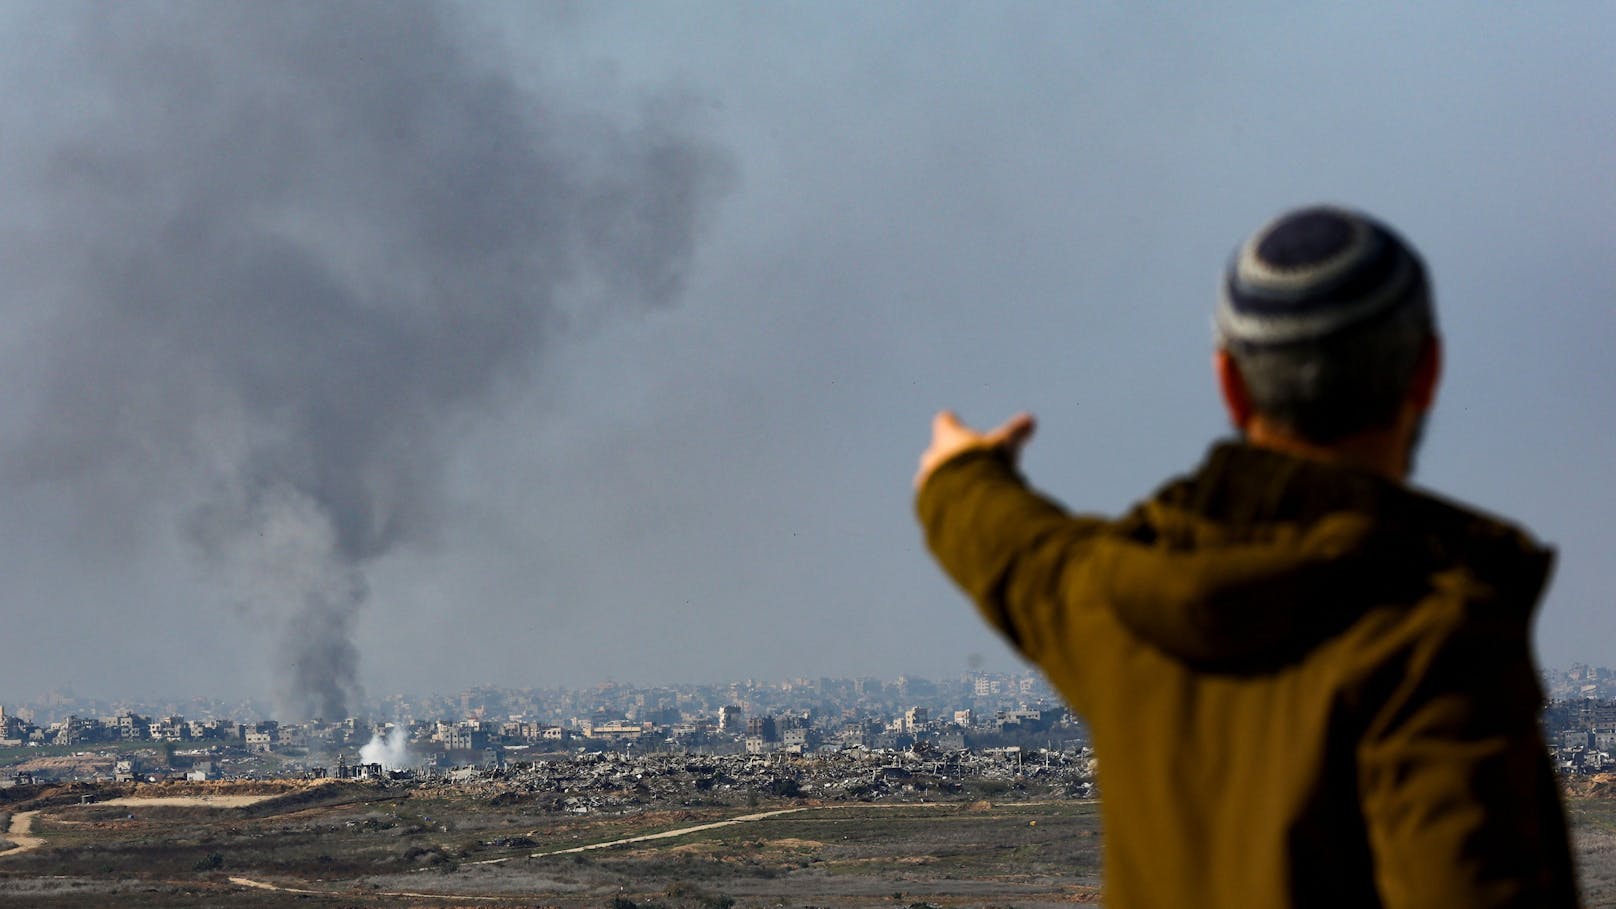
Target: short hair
1326,313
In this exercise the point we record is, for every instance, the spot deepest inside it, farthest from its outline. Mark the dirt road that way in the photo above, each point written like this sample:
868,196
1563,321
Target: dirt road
666,834
193,801
264,885
22,824
18,833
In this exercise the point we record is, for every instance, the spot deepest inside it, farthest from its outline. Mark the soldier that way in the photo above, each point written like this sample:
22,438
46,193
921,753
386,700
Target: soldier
1308,684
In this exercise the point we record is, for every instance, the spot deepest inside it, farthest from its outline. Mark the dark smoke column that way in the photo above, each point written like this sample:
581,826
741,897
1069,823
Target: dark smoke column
285,252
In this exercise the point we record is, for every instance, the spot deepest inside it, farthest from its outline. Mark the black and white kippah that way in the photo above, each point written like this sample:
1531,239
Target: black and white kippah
1312,272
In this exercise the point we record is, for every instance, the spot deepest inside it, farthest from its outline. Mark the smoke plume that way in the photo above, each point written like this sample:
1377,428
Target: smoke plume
392,751
266,261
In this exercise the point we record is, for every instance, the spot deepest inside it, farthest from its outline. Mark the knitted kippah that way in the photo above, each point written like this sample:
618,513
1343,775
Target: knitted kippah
1311,273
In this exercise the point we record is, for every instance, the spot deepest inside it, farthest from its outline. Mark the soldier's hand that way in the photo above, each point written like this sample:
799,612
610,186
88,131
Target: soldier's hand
950,437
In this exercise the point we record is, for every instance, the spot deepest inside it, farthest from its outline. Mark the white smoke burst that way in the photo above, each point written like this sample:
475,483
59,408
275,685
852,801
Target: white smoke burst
392,751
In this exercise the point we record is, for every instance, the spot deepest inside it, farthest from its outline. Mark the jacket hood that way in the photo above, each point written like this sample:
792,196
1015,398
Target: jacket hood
1258,556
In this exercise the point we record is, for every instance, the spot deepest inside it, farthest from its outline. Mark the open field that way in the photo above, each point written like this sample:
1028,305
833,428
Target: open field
356,845
1593,828
359,845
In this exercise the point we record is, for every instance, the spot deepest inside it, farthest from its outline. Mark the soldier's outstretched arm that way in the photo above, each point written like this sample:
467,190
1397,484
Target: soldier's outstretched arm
1008,547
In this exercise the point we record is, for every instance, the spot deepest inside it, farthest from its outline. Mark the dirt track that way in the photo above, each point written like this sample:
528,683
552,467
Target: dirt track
194,801
22,824
262,885
666,834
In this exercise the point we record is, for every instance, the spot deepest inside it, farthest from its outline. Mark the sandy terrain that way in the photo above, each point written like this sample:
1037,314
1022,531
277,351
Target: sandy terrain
192,801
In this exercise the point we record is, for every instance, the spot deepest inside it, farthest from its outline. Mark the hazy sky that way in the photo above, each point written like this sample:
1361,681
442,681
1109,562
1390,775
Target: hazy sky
392,347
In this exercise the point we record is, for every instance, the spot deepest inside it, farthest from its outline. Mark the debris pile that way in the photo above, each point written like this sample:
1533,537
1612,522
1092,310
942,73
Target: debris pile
612,781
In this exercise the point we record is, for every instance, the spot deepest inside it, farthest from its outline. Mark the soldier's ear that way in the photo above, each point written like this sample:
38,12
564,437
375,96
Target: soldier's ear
1232,385
1427,375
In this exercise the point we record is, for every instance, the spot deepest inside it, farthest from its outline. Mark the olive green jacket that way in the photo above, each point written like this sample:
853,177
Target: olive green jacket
1306,685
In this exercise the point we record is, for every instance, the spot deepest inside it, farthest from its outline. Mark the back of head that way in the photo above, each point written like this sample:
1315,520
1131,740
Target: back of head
1326,312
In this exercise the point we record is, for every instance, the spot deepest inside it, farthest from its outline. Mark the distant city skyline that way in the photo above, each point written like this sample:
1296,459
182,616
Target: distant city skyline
1570,682
60,702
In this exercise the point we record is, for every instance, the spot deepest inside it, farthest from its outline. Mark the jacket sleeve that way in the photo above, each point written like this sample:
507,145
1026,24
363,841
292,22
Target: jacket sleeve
1009,548
1459,797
